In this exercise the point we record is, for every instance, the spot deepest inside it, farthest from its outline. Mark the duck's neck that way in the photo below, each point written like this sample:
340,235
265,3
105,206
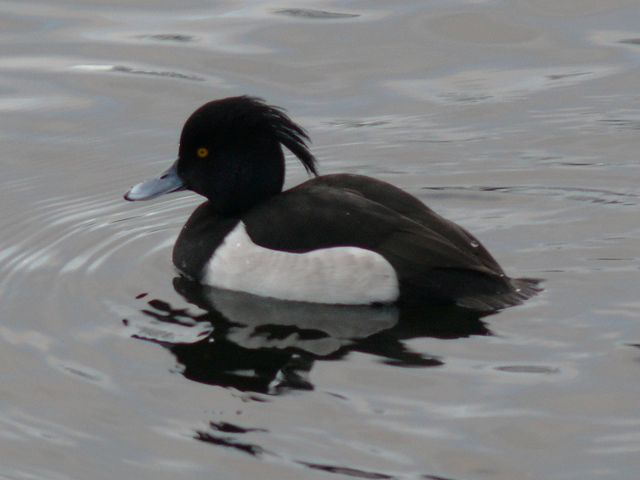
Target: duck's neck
256,173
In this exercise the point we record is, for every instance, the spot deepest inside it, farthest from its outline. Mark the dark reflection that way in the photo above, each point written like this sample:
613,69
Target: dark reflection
314,14
263,345
561,76
347,471
229,441
169,37
630,41
155,73
637,345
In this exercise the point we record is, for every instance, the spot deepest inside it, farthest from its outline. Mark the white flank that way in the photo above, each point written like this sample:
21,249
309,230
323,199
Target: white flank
339,275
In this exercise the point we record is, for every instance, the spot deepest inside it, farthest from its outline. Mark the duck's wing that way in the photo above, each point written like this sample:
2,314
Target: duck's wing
409,206
314,216
430,265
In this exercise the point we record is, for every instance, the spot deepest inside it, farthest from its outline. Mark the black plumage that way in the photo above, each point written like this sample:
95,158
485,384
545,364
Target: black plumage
435,260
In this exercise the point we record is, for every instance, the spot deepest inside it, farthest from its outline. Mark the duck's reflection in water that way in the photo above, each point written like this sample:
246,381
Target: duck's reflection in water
264,345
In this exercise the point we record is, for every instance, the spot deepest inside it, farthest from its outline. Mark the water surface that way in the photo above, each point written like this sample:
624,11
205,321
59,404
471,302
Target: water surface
517,120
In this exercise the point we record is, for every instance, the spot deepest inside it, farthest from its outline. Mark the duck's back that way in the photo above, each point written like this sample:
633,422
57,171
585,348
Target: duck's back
410,207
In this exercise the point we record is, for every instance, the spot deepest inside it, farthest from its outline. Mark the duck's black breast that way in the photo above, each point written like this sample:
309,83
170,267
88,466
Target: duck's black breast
199,238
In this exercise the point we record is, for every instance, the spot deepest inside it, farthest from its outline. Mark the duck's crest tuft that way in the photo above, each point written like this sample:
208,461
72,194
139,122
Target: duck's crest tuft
288,133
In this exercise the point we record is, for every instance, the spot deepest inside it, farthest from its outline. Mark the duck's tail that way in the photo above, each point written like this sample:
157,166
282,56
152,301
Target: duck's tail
521,289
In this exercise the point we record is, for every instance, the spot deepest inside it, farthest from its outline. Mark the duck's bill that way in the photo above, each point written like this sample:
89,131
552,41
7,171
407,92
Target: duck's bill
169,181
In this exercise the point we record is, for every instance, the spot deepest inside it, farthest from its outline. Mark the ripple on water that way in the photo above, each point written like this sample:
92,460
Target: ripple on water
314,14
590,195
129,70
71,249
66,234
499,85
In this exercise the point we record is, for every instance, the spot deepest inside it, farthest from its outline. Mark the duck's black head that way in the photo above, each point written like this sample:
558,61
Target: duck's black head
231,153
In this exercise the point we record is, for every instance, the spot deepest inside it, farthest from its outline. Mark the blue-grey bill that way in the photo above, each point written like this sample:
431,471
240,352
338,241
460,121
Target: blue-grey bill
167,182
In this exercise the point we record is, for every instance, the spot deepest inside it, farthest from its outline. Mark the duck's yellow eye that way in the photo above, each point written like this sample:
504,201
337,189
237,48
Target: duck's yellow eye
202,152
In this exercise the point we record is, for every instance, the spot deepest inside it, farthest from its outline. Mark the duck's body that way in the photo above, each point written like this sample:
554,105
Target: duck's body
343,239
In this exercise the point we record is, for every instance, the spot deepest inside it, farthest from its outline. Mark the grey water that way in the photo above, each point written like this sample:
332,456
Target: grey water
518,120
